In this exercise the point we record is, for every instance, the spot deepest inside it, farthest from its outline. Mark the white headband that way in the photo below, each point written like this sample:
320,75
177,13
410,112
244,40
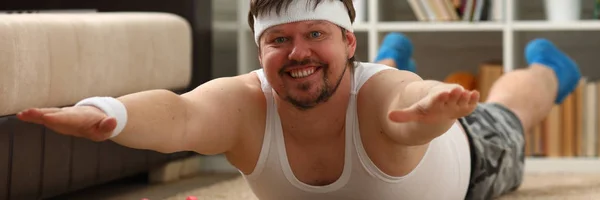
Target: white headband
333,11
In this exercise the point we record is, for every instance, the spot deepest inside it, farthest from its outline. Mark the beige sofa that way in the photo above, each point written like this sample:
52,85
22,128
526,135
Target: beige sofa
55,60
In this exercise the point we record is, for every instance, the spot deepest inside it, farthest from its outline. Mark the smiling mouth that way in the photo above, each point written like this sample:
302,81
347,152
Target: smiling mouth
304,72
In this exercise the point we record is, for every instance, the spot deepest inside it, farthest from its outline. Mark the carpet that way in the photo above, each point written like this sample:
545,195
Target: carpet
547,186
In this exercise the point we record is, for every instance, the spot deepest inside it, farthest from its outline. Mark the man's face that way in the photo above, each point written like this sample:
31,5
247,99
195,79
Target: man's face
305,61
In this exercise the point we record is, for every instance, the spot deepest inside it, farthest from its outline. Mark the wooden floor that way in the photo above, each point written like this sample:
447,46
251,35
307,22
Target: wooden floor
138,187
228,186
544,179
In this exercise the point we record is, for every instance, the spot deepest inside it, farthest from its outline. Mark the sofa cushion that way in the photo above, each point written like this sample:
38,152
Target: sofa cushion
53,60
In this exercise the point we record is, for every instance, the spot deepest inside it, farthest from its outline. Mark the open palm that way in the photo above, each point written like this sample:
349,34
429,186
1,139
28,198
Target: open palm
81,121
439,106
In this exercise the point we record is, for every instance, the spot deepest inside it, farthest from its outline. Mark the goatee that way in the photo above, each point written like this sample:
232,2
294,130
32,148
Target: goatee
324,93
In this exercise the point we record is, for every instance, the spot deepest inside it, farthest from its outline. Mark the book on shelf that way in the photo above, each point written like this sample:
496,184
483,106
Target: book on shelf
571,129
458,10
489,72
597,9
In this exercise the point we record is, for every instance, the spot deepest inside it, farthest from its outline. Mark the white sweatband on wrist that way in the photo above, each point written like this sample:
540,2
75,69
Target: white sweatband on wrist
112,107
333,11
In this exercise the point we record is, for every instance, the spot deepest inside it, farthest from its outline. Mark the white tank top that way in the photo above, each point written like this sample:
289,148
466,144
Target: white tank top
443,173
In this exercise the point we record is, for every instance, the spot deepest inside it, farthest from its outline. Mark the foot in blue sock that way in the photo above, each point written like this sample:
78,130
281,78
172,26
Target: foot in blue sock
411,66
397,47
542,51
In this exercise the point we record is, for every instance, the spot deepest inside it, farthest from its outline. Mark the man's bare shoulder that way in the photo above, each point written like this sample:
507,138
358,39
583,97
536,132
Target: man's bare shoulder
381,89
242,89
395,75
388,79
250,82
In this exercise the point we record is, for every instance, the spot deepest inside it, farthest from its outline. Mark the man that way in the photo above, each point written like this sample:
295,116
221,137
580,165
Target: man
314,124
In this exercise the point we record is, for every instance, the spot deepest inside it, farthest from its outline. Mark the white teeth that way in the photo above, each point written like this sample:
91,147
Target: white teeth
300,73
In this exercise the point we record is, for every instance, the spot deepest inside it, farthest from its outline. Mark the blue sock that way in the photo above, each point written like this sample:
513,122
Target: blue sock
397,47
412,66
542,51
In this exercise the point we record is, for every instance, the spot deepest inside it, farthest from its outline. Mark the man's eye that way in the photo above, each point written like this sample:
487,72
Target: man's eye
315,34
279,40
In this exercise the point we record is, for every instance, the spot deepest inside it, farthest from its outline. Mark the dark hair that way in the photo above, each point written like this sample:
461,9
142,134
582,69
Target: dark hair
260,7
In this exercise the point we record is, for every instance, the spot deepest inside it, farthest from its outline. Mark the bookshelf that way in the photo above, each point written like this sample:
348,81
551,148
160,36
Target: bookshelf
441,47
583,25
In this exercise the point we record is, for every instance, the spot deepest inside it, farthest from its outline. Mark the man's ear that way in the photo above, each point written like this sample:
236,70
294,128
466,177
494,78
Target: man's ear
350,43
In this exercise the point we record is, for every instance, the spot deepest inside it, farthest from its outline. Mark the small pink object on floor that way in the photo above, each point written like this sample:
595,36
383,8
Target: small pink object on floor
191,198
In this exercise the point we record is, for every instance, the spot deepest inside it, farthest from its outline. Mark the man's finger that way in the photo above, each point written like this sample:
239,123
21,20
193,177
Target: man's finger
406,115
107,125
464,99
474,97
58,118
40,111
34,115
48,110
441,98
68,123
29,116
454,96
439,102
73,117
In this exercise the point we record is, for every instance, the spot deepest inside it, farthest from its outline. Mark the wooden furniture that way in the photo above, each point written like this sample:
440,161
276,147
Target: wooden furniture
37,163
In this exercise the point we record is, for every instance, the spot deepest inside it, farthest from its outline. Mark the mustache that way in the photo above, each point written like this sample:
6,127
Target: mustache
296,63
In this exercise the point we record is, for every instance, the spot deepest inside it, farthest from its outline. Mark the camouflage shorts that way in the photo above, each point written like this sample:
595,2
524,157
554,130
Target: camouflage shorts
497,151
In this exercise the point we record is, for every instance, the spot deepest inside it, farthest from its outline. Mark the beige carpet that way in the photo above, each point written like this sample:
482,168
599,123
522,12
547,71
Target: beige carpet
535,186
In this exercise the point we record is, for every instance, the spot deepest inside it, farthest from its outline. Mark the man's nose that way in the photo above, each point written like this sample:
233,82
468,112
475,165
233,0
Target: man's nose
300,51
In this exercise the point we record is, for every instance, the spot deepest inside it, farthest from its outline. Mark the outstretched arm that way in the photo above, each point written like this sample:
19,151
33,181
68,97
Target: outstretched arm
413,111
206,120
428,109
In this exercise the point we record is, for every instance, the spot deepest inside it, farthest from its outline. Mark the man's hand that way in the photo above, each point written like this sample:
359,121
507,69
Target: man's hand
444,102
82,121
